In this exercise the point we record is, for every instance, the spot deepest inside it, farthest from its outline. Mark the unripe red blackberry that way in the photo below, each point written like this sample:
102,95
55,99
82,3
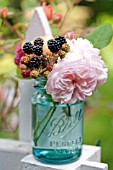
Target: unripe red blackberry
34,74
25,60
49,67
25,73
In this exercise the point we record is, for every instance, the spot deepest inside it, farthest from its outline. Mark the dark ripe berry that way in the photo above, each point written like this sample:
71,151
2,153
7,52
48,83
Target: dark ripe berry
42,61
53,46
37,50
28,48
61,40
38,41
25,73
44,64
34,63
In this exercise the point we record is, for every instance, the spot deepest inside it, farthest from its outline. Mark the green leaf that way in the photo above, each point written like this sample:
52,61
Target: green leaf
19,75
101,36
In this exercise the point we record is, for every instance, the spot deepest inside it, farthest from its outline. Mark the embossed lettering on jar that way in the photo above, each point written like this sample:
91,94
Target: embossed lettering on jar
57,128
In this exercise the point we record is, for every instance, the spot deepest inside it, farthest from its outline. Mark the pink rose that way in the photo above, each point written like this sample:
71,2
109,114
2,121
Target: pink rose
71,81
76,76
85,51
19,54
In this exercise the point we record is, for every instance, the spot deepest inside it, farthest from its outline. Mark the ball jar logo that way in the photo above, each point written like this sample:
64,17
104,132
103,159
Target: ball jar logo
63,125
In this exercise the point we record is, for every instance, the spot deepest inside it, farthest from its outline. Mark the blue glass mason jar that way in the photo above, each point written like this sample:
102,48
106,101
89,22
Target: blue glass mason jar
57,128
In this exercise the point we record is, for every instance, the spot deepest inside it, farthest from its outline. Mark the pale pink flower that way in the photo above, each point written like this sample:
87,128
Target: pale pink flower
84,50
76,76
70,35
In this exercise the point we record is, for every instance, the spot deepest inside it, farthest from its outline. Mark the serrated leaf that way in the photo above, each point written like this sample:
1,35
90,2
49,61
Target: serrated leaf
101,36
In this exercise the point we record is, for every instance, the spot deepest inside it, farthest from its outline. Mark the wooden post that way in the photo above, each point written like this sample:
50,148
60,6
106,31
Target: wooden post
38,26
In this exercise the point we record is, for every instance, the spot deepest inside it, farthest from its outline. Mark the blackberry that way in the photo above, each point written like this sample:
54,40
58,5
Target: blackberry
60,40
38,41
28,48
34,63
37,50
53,46
43,62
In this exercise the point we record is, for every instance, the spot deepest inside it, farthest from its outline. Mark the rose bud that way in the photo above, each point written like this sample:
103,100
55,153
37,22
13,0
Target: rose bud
3,13
57,18
48,10
70,35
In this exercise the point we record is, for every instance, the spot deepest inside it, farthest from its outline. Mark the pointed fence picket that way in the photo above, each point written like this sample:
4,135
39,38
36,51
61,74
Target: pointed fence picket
38,26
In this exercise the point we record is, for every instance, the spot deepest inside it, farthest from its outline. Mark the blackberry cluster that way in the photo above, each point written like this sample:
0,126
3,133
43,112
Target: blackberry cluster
61,40
28,48
37,50
53,46
38,41
34,63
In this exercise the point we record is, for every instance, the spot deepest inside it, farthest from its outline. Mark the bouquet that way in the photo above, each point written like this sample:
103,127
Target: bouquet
67,70
72,66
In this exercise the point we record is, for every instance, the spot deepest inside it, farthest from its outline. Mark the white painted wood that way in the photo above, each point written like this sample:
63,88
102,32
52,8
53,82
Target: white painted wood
11,152
26,90
38,26
89,165
29,162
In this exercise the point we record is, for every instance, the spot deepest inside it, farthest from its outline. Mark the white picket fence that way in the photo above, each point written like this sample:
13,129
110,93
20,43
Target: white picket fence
17,155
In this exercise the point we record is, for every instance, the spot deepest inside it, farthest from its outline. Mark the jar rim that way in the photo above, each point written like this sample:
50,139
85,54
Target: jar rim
42,78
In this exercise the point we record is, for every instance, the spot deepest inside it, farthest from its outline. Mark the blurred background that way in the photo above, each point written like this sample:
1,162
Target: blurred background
80,16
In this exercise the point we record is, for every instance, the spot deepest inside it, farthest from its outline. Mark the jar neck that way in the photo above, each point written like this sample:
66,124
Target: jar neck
40,88
40,83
